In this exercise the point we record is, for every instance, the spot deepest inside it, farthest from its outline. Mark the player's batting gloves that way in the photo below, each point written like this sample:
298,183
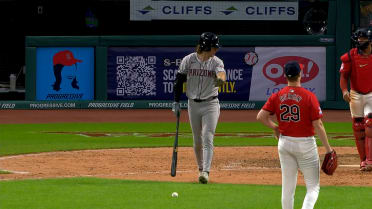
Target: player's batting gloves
176,108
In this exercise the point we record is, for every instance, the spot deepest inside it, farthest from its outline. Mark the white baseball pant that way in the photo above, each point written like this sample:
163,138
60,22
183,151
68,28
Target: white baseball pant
299,153
203,120
360,105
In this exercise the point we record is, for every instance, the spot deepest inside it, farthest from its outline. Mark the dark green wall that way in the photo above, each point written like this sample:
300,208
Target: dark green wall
337,41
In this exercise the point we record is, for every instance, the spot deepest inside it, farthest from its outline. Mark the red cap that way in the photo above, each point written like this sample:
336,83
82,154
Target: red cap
65,58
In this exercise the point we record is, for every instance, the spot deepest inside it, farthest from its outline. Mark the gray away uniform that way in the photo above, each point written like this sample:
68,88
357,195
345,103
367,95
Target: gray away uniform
203,104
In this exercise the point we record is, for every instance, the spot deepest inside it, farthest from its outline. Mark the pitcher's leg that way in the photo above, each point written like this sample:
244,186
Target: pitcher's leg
309,165
209,124
289,169
196,126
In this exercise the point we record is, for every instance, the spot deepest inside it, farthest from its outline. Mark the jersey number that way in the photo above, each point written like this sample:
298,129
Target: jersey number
290,113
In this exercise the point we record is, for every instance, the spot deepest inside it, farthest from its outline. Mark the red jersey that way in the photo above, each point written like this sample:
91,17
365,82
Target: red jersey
359,69
295,109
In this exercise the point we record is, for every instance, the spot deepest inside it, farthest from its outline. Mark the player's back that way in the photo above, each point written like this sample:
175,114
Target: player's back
295,109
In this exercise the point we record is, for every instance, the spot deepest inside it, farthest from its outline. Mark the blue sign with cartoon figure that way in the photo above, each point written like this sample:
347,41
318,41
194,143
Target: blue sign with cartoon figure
65,73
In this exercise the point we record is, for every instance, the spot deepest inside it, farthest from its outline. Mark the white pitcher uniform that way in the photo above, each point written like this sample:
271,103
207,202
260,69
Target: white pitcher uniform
295,109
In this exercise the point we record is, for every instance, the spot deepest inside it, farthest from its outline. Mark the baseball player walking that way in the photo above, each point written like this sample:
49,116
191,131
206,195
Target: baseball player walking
204,73
357,67
298,113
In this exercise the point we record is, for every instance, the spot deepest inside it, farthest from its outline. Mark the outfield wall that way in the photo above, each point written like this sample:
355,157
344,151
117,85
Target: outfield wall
98,65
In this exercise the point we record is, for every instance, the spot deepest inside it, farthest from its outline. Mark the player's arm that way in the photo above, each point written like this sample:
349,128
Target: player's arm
220,78
264,117
220,73
178,85
181,77
320,131
345,75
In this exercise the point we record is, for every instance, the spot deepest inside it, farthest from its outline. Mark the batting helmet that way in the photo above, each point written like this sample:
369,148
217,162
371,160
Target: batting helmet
361,32
208,40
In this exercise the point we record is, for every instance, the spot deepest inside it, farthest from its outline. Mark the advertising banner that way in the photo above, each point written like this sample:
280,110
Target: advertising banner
65,73
149,73
268,74
253,74
146,10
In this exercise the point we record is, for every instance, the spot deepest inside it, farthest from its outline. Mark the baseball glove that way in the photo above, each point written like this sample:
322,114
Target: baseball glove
330,163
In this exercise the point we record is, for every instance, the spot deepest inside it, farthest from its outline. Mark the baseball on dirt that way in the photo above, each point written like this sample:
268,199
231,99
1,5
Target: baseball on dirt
174,194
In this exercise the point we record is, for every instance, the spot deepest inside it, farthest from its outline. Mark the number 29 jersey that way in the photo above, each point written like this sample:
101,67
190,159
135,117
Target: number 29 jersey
295,109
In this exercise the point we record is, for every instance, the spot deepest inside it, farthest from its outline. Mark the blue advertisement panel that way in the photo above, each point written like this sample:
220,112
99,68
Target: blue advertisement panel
149,73
65,73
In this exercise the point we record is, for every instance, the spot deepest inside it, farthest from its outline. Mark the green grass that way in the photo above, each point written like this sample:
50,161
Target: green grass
32,138
84,193
92,193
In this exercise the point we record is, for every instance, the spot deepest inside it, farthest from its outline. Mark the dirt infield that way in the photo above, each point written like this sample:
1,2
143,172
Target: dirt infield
243,165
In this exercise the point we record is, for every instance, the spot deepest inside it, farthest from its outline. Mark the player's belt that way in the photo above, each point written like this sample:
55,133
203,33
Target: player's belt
205,100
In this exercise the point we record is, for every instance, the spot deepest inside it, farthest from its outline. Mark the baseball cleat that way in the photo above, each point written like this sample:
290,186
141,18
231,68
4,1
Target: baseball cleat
363,166
203,177
368,166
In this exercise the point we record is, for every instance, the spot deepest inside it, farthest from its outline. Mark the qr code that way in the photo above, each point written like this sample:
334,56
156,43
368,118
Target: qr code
136,76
